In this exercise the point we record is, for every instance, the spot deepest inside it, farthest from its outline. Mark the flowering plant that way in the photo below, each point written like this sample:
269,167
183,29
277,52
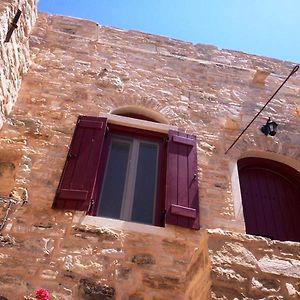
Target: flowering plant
42,294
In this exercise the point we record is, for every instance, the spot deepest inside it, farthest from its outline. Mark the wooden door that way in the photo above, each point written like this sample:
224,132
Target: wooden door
271,198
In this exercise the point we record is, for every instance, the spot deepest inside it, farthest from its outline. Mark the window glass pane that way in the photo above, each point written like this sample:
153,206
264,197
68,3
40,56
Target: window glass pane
145,184
114,179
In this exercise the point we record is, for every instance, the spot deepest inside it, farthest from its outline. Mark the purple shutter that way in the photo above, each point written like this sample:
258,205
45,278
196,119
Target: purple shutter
182,197
77,183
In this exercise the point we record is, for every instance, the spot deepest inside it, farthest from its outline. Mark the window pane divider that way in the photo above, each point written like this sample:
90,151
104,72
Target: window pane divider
128,197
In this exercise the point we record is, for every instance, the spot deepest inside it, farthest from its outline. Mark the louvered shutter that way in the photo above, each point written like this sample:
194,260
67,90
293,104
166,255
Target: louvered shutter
182,197
77,184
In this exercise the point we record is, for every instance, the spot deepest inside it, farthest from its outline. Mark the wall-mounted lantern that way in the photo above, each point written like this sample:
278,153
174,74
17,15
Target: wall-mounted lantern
270,128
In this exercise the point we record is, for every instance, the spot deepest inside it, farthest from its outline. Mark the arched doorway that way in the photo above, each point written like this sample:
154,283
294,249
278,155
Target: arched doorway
271,198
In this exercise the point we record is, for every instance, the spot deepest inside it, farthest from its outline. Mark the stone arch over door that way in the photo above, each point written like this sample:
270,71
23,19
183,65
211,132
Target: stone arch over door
271,198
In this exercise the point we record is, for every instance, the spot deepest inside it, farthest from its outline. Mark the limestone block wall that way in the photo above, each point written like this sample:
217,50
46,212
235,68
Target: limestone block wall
14,55
90,262
79,67
245,267
83,68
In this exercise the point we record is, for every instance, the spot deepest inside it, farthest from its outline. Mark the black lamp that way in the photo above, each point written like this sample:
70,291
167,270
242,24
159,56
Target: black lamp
270,128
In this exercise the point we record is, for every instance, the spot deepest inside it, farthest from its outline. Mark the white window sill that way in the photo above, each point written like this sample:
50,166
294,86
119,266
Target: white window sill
119,225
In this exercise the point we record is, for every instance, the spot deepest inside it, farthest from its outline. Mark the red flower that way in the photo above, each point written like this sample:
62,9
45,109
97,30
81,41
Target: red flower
41,294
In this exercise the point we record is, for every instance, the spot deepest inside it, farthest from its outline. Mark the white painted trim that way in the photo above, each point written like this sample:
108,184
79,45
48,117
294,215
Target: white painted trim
236,191
137,123
120,225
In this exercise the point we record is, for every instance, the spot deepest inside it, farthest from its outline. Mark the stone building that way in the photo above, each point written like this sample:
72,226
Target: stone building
141,95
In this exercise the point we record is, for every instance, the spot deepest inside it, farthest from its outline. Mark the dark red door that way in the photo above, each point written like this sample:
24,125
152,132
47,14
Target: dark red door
271,198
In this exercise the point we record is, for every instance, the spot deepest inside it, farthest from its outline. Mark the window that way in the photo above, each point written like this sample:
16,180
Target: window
133,175
130,180
130,174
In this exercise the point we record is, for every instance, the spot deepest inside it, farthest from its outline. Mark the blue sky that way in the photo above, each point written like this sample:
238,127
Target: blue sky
264,27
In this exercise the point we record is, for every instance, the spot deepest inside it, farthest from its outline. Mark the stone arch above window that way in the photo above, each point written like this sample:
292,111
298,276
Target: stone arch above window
139,112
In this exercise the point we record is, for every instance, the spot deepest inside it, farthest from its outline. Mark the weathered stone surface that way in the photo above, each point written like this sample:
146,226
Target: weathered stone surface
6,241
252,267
226,293
275,265
81,68
195,87
14,55
102,233
90,290
143,259
123,273
160,281
136,297
293,290
9,165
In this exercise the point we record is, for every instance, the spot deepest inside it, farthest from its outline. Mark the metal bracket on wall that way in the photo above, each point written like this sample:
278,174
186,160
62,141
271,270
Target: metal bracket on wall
295,69
13,26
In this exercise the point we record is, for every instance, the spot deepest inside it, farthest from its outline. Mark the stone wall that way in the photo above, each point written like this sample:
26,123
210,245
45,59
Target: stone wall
246,267
14,55
79,67
90,262
83,68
